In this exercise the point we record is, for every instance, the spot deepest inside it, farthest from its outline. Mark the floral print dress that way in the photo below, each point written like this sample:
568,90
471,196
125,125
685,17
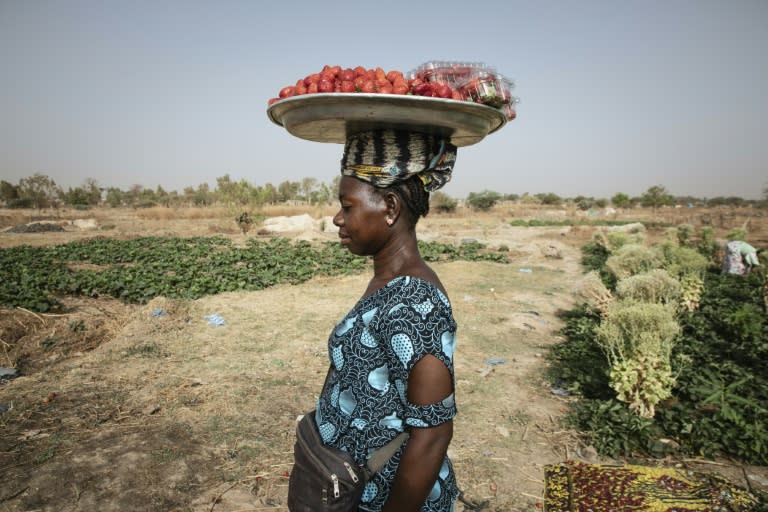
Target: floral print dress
364,402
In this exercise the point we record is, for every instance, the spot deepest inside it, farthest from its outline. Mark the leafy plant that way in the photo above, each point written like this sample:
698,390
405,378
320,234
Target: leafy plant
140,269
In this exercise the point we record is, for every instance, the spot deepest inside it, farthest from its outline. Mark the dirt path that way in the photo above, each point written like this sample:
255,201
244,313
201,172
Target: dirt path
174,413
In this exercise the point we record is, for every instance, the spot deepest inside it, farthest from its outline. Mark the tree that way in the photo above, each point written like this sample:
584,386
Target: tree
40,190
442,202
308,186
288,190
93,191
656,196
114,197
484,200
550,198
8,191
621,200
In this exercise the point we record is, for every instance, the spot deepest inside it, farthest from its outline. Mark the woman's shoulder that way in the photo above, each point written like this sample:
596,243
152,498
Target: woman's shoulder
416,288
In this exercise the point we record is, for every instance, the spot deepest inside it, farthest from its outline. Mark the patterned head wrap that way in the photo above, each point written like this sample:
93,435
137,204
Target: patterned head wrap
385,157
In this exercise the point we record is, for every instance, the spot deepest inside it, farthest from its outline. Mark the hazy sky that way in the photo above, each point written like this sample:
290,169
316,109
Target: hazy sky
616,96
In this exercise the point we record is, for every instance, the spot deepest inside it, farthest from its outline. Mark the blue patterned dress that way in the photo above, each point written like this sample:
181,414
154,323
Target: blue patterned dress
363,405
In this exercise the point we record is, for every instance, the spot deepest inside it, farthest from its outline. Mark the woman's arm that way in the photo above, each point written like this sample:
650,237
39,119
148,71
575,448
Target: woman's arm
429,382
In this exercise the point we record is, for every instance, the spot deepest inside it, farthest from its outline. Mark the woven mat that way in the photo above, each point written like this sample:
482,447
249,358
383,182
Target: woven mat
580,487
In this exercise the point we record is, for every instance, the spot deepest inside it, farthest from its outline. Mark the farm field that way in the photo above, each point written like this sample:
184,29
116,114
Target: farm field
155,407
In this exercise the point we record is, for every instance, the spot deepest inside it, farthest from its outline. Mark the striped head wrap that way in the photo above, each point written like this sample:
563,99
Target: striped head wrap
385,157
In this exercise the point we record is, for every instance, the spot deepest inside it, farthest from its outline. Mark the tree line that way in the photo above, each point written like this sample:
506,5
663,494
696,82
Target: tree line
40,191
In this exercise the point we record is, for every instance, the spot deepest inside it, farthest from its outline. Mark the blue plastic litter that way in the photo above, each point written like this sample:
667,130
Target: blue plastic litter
158,312
5,408
494,362
214,319
526,270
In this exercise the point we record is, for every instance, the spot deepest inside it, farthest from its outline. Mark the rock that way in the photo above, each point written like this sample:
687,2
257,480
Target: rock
551,251
502,431
288,224
85,224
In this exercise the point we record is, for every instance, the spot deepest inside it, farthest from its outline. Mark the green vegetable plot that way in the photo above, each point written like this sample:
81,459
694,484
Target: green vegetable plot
661,369
140,269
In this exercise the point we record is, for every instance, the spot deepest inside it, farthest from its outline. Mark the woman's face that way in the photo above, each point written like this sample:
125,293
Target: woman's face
362,219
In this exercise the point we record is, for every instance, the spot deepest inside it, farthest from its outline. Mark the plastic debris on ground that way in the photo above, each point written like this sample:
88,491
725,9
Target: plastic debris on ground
5,408
214,319
526,270
494,362
158,312
8,373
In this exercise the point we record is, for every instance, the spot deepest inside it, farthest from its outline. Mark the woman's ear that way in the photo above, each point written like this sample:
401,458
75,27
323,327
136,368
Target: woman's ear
393,205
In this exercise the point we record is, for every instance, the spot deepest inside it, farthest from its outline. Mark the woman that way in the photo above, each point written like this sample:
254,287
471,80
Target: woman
392,355
740,258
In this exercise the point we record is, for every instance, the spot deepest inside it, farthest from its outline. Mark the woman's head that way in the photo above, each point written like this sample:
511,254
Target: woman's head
408,164
386,157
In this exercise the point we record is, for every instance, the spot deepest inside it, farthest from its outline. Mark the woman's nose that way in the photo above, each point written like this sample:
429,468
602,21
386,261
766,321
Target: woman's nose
337,219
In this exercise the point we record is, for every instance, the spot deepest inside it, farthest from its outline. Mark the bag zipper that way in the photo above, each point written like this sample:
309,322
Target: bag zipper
326,469
351,472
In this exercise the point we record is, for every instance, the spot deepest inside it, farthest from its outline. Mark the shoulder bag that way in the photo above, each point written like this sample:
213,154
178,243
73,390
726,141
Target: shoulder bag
325,479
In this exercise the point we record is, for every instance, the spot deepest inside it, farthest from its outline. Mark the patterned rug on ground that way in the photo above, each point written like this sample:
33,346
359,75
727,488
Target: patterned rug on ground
579,487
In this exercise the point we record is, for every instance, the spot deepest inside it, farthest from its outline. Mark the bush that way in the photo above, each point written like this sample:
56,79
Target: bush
682,261
656,286
483,201
632,259
443,203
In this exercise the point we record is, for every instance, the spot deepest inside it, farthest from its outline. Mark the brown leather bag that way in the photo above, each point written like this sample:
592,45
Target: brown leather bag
324,479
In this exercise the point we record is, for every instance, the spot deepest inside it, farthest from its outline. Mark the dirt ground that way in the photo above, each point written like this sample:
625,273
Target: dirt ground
153,408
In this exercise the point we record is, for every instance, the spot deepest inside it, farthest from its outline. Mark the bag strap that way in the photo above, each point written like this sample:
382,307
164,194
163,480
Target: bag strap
380,457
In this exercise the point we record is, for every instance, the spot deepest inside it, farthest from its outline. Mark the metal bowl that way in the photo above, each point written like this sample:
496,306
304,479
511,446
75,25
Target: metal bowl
331,117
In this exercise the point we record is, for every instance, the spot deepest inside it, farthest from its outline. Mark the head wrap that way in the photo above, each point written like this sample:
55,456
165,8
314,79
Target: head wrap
385,157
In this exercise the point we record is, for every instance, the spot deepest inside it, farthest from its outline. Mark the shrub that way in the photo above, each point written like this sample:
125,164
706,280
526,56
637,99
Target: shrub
483,201
443,203
593,257
682,261
654,286
637,338
592,292
632,259
618,239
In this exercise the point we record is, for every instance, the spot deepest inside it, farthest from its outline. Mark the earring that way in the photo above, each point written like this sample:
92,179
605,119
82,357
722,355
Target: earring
389,221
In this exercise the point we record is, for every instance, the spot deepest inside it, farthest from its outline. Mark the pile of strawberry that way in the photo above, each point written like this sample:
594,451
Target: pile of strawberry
455,81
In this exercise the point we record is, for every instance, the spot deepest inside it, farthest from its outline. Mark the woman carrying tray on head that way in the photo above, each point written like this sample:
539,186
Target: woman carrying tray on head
392,354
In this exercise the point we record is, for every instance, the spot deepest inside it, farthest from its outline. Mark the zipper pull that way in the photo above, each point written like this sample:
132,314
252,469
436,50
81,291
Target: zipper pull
336,492
351,472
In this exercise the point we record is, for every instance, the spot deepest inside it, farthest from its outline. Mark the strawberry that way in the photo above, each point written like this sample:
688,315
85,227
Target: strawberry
312,79
368,86
347,75
287,92
400,88
393,76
